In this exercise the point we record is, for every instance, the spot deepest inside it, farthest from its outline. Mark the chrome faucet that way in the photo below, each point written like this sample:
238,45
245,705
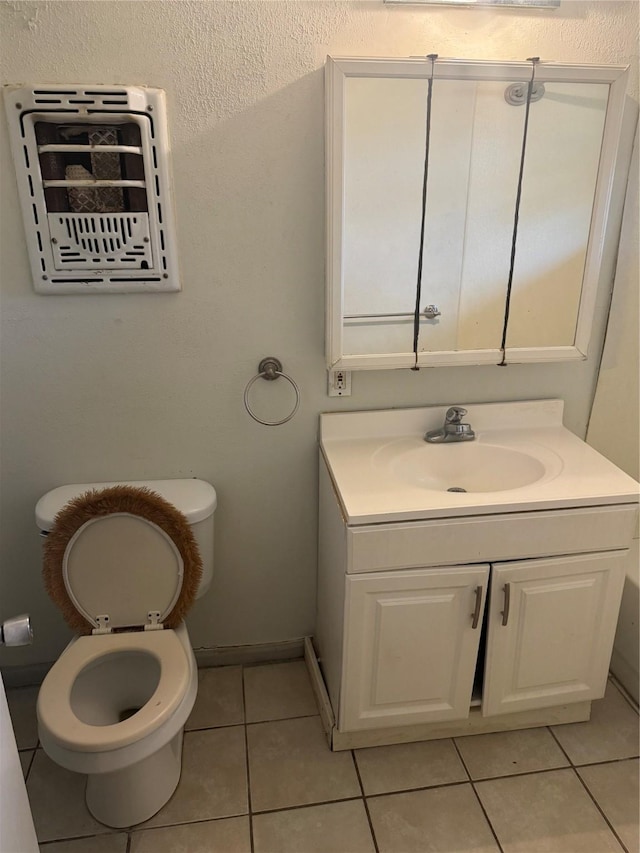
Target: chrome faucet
453,429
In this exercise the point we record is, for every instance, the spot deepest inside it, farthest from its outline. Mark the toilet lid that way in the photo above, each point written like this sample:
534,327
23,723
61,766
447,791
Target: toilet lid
120,568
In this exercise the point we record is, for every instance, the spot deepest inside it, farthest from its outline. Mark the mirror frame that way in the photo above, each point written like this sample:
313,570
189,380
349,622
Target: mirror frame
337,72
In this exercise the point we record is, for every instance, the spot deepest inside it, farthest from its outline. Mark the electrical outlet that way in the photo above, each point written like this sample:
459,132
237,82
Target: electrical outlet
339,383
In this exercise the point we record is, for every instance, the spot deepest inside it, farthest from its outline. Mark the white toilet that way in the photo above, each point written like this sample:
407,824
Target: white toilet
114,704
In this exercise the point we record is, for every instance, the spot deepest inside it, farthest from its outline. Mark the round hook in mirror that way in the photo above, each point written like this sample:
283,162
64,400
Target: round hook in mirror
516,93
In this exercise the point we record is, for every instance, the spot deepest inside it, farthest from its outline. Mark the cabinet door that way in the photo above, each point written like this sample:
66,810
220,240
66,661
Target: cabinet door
411,642
551,629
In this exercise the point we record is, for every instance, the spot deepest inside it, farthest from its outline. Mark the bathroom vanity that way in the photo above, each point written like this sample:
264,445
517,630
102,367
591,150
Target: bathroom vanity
445,612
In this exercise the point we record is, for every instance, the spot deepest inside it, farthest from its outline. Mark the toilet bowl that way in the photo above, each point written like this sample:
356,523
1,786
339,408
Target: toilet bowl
114,704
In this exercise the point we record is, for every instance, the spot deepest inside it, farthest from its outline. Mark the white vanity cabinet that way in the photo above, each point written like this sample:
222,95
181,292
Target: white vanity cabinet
551,629
443,613
411,644
412,638
400,646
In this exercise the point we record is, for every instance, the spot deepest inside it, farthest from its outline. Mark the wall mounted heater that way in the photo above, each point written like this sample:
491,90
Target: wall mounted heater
92,164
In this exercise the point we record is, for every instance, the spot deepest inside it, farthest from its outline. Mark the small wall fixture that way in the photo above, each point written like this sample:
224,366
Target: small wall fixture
92,169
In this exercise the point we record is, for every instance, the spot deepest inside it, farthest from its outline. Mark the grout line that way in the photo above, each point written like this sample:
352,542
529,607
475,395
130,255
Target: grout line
573,767
421,788
462,761
137,828
214,728
80,837
562,749
246,753
522,773
243,723
597,805
364,800
477,796
281,719
306,805
607,761
129,840
26,775
624,693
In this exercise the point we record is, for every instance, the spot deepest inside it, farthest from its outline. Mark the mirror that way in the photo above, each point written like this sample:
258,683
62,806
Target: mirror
376,154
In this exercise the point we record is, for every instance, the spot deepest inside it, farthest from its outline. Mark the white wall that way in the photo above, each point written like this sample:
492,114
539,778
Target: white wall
107,387
614,426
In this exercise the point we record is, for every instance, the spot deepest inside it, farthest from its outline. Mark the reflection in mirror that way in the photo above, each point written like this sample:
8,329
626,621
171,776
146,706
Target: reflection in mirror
471,190
476,139
561,168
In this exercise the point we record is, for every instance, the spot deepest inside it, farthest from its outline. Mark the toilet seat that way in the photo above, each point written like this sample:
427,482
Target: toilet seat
120,568
57,717
121,557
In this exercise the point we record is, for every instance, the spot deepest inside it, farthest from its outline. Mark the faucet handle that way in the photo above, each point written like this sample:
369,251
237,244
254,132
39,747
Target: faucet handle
455,414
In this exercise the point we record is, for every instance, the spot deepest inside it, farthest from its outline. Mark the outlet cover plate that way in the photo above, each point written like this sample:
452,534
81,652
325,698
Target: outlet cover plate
339,383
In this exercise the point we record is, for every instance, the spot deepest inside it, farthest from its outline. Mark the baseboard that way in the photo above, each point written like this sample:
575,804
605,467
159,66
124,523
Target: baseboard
319,689
33,674
260,653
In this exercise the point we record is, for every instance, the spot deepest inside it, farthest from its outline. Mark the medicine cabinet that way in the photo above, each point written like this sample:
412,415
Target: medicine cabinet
376,139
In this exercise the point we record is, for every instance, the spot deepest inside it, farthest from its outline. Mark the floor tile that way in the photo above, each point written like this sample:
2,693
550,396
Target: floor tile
25,761
438,820
114,843
229,835
409,765
506,753
278,691
545,813
22,707
290,764
57,801
616,790
330,828
611,733
219,700
214,778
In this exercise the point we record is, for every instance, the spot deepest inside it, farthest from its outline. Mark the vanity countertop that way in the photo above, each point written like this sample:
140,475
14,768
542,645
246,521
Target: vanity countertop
384,471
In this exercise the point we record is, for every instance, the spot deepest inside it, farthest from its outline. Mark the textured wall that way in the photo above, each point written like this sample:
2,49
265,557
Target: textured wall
106,387
614,423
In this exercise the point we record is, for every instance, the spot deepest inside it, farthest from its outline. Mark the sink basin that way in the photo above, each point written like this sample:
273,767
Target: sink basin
522,459
466,467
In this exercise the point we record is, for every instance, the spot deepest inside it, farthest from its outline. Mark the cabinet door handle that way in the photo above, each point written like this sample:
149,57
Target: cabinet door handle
507,603
476,613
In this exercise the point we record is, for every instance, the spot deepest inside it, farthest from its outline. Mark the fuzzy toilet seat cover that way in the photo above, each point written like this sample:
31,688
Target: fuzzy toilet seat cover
134,500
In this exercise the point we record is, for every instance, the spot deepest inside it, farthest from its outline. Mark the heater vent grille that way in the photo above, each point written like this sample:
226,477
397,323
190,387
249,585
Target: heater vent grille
92,164
112,241
80,98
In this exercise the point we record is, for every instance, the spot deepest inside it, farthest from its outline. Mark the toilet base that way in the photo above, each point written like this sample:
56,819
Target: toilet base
134,794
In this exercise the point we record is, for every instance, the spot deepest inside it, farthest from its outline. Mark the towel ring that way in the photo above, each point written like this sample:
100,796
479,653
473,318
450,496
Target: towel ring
271,368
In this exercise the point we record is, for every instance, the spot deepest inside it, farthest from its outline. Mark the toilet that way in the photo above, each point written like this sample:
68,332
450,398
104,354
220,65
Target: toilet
123,562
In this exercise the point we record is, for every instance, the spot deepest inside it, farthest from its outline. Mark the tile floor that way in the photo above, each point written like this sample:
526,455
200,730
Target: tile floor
258,776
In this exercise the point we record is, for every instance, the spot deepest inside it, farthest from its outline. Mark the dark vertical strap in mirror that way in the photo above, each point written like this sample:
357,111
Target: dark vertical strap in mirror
534,61
425,176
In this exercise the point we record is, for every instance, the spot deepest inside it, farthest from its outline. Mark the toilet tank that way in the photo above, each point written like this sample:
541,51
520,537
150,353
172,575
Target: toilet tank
196,500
